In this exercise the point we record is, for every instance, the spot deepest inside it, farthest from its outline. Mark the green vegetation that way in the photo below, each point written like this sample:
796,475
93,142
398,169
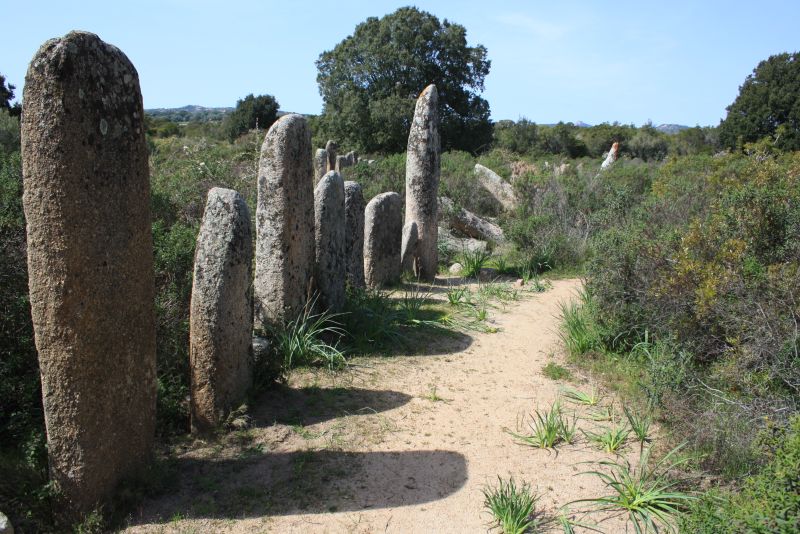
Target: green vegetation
370,82
548,428
252,112
553,371
766,106
647,494
513,507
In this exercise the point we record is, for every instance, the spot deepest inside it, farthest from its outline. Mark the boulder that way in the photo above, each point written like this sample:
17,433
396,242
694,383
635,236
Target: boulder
500,190
329,239
469,224
383,226
354,233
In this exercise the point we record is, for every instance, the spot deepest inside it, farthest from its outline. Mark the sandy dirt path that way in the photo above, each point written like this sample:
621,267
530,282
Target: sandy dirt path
401,444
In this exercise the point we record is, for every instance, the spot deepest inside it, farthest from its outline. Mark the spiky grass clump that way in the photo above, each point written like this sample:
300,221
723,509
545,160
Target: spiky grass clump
310,339
579,330
646,494
548,428
609,439
590,398
473,261
512,507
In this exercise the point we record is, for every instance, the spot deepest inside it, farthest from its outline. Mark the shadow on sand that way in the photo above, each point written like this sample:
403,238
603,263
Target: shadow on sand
312,404
288,483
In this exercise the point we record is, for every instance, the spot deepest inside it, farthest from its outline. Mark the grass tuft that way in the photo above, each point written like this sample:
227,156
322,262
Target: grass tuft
512,507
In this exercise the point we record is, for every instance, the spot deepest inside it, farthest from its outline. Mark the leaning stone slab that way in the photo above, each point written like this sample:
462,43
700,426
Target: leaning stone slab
90,263
383,226
320,164
329,232
494,184
284,223
422,180
354,233
221,320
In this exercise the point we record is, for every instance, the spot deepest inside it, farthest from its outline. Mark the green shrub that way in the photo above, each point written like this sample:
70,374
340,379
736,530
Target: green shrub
769,502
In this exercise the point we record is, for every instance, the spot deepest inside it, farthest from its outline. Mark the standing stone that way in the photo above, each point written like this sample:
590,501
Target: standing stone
329,232
221,323
320,164
422,181
354,234
331,149
409,248
383,225
284,223
611,157
90,263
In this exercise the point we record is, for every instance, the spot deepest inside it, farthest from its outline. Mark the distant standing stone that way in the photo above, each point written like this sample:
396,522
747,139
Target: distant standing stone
331,149
422,181
221,321
383,225
284,223
329,232
354,233
320,164
90,263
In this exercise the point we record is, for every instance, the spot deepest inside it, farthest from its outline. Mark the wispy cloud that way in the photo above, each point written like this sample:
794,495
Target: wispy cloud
542,29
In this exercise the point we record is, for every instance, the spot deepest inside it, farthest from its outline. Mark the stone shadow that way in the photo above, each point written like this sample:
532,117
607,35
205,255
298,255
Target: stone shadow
312,404
303,482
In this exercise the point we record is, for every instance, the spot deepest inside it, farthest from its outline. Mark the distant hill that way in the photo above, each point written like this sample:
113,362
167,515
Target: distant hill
195,113
671,128
189,113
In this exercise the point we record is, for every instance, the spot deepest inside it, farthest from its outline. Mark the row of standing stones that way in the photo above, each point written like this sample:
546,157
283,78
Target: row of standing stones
90,257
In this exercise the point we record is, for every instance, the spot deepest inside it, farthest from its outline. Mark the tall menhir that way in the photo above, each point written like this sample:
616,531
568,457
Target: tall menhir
90,263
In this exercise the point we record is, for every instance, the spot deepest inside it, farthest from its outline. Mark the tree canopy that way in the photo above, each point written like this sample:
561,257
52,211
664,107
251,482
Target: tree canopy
768,105
6,96
251,111
370,82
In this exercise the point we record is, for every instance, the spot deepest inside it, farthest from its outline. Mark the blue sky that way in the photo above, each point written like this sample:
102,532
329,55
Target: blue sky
595,61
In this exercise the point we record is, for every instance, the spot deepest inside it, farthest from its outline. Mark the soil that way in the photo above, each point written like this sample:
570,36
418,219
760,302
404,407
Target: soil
395,444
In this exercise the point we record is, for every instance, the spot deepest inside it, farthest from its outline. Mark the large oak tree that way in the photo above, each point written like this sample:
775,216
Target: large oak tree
768,105
370,81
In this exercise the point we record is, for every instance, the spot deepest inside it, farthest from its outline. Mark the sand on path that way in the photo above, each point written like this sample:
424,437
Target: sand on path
401,444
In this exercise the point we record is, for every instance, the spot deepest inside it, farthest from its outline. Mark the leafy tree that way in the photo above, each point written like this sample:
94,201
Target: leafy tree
6,96
370,81
562,139
251,111
768,105
520,137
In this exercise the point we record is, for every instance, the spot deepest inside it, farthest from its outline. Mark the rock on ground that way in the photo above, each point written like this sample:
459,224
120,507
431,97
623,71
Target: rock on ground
500,190
284,223
221,320
469,224
320,164
90,263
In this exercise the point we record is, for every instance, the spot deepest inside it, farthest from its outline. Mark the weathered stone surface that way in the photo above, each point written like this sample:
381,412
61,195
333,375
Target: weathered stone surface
329,235
467,223
611,157
348,160
383,226
90,262
494,184
331,148
456,268
408,248
422,180
221,319
459,244
284,223
320,164
5,525
354,233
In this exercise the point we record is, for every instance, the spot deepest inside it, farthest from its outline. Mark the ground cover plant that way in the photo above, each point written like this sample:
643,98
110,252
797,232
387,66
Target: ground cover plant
512,506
